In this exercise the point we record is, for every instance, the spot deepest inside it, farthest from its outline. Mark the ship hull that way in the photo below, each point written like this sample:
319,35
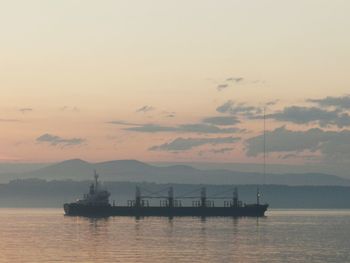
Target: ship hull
74,209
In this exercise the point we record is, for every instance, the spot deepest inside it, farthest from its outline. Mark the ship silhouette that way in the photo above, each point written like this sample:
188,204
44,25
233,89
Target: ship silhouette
96,204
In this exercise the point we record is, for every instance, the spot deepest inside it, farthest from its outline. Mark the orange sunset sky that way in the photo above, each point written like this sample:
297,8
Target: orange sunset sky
174,80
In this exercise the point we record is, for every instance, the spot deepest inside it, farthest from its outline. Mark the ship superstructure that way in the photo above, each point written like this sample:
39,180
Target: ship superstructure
97,196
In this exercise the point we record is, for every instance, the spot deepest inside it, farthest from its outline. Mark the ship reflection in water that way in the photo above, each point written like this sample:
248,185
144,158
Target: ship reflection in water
44,235
96,204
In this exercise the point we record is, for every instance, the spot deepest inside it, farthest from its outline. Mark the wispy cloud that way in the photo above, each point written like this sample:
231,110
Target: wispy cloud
169,114
215,151
184,128
25,110
342,102
222,120
151,128
309,115
206,128
59,141
229,81
69,108
126,123
184,144
221,87
145,109
308,157
319,115
234,108
284,140
234,79
222,150
333,145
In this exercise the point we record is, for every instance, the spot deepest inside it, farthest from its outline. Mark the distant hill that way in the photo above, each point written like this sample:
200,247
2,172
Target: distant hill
136,171
341,170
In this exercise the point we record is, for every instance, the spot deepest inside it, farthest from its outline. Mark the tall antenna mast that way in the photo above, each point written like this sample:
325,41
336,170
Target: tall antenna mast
264,147
264,158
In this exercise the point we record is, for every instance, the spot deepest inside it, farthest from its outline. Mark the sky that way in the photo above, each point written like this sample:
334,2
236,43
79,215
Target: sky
175,80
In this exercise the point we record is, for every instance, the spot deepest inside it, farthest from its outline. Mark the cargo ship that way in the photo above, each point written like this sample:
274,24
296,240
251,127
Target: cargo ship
96,204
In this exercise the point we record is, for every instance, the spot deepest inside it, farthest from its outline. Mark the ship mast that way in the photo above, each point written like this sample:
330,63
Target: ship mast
264,148
264,157
171,197
96,180
138,201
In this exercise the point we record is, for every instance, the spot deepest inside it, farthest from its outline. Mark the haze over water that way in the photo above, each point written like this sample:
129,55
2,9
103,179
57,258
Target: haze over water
46,235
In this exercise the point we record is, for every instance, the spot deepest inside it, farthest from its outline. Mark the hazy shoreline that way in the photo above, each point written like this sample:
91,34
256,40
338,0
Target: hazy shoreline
42,193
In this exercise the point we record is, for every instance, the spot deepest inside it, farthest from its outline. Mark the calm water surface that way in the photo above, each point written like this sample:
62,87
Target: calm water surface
46,235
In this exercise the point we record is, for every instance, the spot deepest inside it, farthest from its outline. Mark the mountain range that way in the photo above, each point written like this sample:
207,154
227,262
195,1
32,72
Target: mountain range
136,171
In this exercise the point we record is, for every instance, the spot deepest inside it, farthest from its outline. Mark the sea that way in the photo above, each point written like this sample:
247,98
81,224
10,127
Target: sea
47,235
